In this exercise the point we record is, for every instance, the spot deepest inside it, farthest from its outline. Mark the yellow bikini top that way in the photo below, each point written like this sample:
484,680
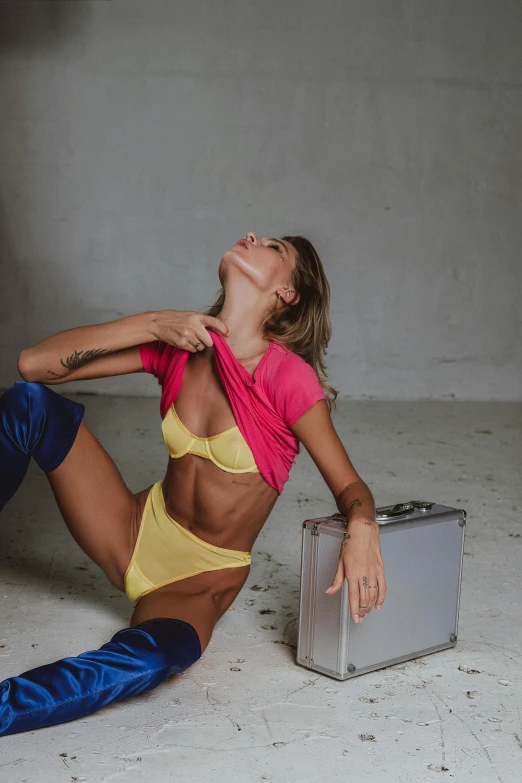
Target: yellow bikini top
228,450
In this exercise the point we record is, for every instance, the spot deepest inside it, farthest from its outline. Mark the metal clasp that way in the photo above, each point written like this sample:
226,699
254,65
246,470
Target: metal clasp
399,509
388,512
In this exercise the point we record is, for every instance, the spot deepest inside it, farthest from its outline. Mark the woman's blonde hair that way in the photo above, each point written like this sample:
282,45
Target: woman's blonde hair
305,328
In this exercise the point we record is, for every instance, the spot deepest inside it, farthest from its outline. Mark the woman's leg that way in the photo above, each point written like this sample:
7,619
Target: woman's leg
102,514
171,627
98,508
135,660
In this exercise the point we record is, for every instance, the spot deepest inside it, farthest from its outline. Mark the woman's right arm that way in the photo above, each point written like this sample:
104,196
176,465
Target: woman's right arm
89,351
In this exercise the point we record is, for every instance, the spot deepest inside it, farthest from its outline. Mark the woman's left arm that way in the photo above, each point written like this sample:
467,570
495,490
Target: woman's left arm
360,560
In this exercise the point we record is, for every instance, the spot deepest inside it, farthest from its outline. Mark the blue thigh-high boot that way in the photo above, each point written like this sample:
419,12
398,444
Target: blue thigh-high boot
35,422
135,660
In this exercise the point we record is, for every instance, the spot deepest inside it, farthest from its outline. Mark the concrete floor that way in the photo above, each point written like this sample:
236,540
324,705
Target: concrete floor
246,711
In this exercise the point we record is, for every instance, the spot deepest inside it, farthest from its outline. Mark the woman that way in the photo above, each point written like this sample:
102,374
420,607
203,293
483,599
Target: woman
244,400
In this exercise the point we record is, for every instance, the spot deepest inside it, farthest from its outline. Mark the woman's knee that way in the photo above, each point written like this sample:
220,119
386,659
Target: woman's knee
40,421
22,407
29,398
167,643
200,611
23,392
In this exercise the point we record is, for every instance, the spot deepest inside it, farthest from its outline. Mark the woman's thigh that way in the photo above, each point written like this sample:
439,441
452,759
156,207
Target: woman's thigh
200,600
98,508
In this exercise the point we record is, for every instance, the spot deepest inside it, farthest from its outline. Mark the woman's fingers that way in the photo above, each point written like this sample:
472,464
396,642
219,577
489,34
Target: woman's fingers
367,594
366,582
185,328
363,596
353,589
354,596
200,341
338,579
201,334
195,332
375,592
381,582
215,323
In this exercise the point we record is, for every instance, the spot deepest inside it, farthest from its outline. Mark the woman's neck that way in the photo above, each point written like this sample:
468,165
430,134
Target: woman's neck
244,320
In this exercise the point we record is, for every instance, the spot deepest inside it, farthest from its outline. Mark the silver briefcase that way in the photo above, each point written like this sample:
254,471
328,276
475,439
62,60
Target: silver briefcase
422,546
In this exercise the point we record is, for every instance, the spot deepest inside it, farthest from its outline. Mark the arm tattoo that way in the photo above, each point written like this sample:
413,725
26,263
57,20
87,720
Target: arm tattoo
76,359
356,503
340,495
55,374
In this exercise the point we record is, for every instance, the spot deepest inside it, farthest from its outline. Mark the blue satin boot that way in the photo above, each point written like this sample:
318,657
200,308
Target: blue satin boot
35,422
135,660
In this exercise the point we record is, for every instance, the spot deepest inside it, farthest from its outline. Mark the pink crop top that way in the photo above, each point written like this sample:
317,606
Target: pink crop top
265,407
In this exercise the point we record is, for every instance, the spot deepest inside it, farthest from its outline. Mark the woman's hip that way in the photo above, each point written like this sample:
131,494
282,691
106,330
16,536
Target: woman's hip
165,553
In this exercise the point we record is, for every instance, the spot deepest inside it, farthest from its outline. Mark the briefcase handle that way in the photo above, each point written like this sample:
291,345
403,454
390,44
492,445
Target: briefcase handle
398,510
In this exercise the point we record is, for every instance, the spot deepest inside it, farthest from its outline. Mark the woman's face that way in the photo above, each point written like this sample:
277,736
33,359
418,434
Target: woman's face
267,261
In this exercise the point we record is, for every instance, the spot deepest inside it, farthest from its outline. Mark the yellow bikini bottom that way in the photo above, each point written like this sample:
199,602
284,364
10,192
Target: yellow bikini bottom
165,551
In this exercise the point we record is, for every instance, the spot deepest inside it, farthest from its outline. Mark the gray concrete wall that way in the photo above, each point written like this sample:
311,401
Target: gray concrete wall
139,140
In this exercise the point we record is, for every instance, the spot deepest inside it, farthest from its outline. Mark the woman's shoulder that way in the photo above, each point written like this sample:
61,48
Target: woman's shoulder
289,368
287,359
293,386
158,357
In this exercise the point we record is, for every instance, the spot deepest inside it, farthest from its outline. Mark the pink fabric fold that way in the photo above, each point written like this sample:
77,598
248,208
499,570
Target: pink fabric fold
265,407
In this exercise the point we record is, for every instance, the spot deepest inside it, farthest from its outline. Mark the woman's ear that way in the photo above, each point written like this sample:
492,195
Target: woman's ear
293,299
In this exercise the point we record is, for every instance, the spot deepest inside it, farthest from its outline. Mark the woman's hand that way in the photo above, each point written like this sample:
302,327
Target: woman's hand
185,328
361,563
